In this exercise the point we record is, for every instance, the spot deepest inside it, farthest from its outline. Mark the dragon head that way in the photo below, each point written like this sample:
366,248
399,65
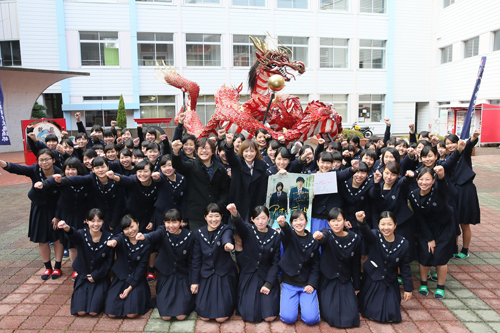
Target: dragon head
276,61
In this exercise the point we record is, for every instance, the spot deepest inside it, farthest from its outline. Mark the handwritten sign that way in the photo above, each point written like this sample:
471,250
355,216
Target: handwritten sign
325,183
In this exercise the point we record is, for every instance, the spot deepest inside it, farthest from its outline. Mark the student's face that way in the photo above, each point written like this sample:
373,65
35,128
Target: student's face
167,169
125,160
101,170
425,182
279,188
68,148
213,220
299,184
70,172
51,144
368,160
261,140
95,224
310,157
136,159
387,226
189,147
150,137
87,162
261,221
389,177
390,145
222,155
324,166
237,144
281,162
429,160
249,154
336,164
205,153
360,176
419,148
299,224
423,138
402,149
388,157
442,150
152,154
132,230
45,161
173,227
271,153
111,155
329,149
82,142
126,136
144,175
109,140
451,146
100,152
337,225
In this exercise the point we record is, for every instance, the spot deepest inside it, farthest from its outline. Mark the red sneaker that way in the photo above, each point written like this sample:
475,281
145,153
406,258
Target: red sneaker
75,274
56,274
46,274
151,277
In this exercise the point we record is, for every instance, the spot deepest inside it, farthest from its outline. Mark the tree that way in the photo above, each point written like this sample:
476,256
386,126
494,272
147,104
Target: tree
38,111
121,117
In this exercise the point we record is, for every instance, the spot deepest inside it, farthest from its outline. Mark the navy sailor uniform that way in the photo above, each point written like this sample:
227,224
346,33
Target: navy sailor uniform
170,195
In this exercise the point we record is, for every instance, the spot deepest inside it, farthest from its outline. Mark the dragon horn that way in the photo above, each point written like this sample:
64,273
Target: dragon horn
259,44
172,68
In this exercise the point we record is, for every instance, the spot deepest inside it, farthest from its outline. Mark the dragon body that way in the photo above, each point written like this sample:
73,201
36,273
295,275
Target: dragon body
286,116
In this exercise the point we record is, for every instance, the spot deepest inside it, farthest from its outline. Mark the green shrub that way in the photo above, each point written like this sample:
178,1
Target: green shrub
348,133
121,116
38,111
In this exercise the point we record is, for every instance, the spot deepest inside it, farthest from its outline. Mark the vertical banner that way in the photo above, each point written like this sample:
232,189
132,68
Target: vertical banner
4,134
468,117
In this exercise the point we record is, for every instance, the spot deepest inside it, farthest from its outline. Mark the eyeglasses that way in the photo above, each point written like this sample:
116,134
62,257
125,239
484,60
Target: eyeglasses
44,160
205,148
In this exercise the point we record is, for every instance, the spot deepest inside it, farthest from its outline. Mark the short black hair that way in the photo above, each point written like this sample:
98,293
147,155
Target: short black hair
213,208
172,215
51,137
127,221
300,179
99,161
334,213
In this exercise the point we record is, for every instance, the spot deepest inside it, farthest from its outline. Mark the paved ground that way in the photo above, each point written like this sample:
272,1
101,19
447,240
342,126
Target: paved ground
472,303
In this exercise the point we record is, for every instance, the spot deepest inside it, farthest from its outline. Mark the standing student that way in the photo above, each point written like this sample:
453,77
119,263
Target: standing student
380,296
92,264
278,204
188,151
258,288
340,272
129,294
173,293
300,265
214,272
43,209
299,196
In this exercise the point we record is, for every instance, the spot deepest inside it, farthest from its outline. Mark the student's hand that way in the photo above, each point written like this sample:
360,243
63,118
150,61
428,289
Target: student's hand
119,140
213,139
348,224
112,243
434,139
410,174
268,136
412,128
55,221
308,155
57,177
431,245
281,139
229,139
344,144
408,295
355,165
321,141
345,153
411,152
114,123
78,117
64,134
149,226
475,135
60,149
194,289
184,224
387,122
318,235
90,278
139,125
155,175
238,244
377,176
461,146
282,172
110,174
308,289
221,133
360,216
182,116
380,144
38,185
140,236
32,136
176,146
229,172
232,209
63,225
228,247
281,221
265,291
163,137
439,170
125,293
136,141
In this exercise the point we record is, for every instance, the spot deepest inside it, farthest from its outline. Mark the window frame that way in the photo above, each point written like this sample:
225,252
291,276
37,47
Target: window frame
203,43
12,54
496,40
448,48
248,6
251,50
202,3
448,3
169,2
373,48
384,8
155,43
293,7
371,102
293,46
334,47
158,104
104,117
474,49
99,41
333,7
330,99
100,99
201,107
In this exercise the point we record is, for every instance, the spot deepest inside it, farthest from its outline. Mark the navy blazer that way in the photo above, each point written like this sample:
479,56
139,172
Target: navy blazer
357,199
141,199
72,197
171,194
131,260
325,202
383,263
92,258
463,171
174,256
396,200
299,259
296,201
278,204
339,261
209,256
261,254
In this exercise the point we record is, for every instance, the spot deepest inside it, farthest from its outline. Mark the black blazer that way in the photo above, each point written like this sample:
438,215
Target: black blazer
278,204
463,171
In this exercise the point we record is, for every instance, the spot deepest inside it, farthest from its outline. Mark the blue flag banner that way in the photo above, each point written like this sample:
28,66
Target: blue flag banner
468,117
4,135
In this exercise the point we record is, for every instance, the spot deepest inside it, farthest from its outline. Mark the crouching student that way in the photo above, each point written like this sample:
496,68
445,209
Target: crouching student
129,294
380,296
214,272
92,263
300,265
340,272
174,297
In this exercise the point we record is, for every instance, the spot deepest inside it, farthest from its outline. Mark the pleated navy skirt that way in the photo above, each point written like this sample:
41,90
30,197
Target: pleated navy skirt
468,211
173,296
252,304
40,224
138,300
216,296
338,303
445,237
379,301
89,297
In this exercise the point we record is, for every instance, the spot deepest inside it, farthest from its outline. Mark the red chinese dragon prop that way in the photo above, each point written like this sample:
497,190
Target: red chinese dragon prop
286,117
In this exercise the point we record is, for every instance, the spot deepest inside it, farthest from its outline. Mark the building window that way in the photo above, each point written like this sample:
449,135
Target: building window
340,103
496,40
471,47
99,48
244,50
372,6
298,45
447,3
295,4
99,117
333,52
335,5
446,54
203,50
10,53
371,108
205,108
168,1
157,106
202,2
249,3
153,46
371,53
105,99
